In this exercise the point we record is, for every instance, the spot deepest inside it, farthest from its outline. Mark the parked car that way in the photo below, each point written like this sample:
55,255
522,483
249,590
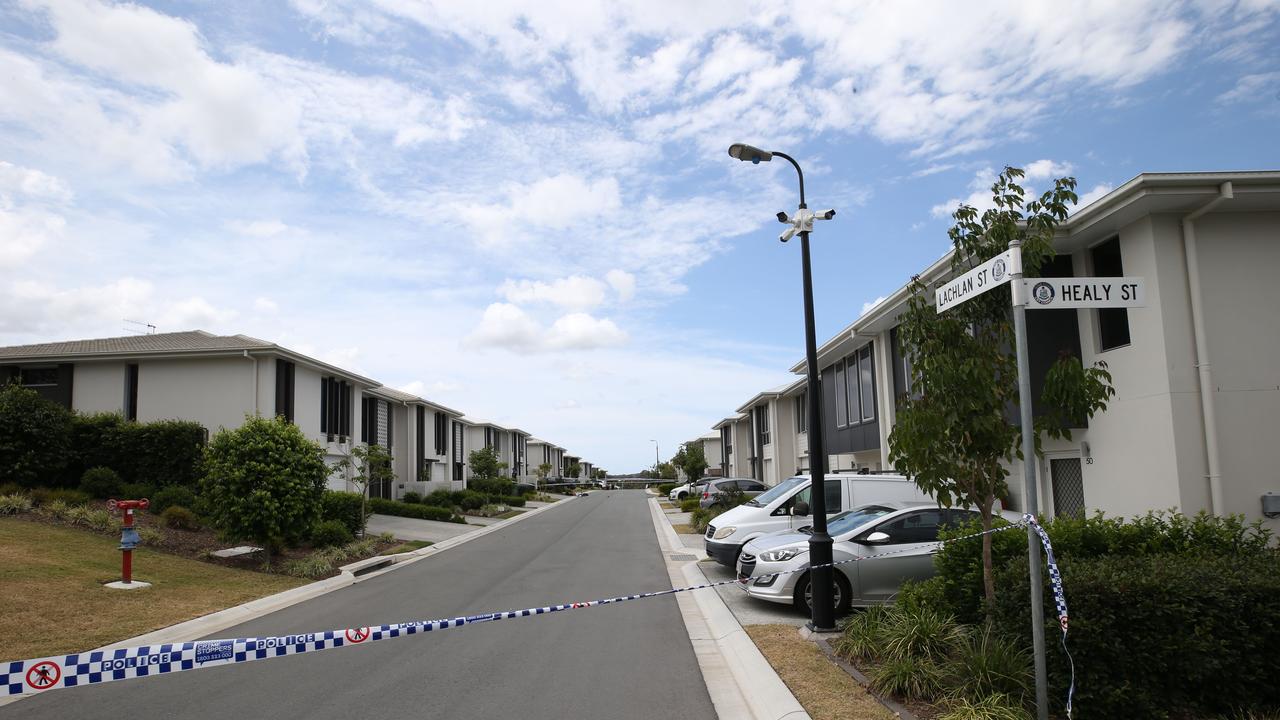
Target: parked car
786,507
905,532
716,493
689,489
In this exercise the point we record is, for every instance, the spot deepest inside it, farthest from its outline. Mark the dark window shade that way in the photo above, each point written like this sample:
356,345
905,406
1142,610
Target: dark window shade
842,404
1113,323
364,419
802,412
345,402
442,429
324,405
284,389
421,441
131,392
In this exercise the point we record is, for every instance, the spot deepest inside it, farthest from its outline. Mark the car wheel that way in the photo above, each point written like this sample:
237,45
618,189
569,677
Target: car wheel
843,594
682,496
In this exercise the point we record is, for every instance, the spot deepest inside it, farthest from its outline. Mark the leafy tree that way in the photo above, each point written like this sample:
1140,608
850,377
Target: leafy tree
691,459
485,464
953,433
666,471
370,464
263,481
600,474
35,437
574,470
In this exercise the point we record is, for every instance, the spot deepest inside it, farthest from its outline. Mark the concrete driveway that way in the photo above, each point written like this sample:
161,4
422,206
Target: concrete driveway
404,528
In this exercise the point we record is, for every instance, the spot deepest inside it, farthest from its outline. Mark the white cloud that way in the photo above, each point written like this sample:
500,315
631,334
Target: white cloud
24,231
265,305
1046,170
31,184
574,292
258,228
866,306
506,326
979,196
560,202
1097,192
623,283
1253,88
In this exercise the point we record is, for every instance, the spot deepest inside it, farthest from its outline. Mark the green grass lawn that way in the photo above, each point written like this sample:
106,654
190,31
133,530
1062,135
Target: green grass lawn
407,546
53,600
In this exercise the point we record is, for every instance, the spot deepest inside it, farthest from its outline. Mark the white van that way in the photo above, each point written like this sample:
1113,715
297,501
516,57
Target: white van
785,507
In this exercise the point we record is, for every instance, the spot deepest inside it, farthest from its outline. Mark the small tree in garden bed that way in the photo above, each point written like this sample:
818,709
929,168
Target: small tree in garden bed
485,464
35,437
371,464
263,481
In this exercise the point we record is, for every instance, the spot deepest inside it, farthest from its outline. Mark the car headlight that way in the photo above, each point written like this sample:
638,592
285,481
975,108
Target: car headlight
782,554
724,532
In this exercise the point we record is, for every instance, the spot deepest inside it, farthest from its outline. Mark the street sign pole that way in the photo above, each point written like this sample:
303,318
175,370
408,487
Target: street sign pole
1029,478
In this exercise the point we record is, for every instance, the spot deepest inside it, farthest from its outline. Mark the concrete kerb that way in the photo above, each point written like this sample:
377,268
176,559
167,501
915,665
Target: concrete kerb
739,679
232,616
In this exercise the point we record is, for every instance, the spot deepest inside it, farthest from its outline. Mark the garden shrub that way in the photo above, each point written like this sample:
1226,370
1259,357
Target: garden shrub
665,488
690,504
421,512
264,482
441,498
35,437
412,497
74,498
492,486
471,500
1171,634
918,678
170,496
343,506
135,491
508,500
179,518
101,482
329,533
151,536
991,707
15,504
986,662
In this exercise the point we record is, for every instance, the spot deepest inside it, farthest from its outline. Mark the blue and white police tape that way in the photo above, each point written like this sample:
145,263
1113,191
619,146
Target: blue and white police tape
103,666
1059,600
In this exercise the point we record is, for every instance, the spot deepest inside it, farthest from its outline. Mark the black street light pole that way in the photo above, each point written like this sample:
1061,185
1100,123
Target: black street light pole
821,585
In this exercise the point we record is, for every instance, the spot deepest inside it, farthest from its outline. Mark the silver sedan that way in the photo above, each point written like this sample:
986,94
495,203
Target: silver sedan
905,533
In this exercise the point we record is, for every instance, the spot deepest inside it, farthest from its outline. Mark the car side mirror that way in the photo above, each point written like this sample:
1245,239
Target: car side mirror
800,508
875,538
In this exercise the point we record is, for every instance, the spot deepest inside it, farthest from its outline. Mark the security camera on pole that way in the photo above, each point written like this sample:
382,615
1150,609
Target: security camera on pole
820,581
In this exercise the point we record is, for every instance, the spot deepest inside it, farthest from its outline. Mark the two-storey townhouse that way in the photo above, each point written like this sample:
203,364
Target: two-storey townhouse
1197,382
569,462
215,380
417,434
710,443
735,446
517,458
460,446
771,417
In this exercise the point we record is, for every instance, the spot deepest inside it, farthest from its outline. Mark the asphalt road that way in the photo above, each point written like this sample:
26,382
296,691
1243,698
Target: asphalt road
631,660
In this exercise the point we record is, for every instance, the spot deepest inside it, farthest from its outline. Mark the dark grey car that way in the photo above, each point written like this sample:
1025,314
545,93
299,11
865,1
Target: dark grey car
717,492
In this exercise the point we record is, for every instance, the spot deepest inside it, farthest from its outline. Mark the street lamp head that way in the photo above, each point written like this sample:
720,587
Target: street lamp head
747,153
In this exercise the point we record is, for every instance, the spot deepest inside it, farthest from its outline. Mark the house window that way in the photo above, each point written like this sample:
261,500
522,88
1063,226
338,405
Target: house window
762,422
131,392
1113,323
842,404
442,429
802,412
39,377
851,388
391,424
284,389
335,408
866,385
368,414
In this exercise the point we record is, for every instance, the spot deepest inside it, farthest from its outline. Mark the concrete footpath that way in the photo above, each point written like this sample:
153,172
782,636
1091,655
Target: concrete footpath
739,679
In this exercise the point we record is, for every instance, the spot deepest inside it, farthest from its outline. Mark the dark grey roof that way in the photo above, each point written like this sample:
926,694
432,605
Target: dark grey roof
187,341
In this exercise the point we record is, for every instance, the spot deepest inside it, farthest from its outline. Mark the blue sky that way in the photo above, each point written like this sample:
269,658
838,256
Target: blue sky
526,210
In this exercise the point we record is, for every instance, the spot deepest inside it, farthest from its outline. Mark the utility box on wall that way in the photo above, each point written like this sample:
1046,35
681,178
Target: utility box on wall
1271,505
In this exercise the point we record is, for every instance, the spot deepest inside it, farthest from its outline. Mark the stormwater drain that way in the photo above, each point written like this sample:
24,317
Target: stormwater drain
679,556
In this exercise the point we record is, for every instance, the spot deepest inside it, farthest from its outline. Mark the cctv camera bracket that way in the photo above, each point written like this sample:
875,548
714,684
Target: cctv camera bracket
802,221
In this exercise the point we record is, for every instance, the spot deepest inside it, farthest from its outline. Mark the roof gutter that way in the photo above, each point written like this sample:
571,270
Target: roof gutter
1216,504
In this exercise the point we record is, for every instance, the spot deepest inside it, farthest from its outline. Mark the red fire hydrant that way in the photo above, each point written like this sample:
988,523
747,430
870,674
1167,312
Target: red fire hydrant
128,536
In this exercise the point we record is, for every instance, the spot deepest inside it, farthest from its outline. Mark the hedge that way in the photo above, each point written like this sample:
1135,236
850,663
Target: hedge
343,507
160,453
35,437
421,512
1181,635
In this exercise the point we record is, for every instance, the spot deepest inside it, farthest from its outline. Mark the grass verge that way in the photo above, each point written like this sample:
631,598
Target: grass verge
509,514
825,691
54,601
684,529
408,546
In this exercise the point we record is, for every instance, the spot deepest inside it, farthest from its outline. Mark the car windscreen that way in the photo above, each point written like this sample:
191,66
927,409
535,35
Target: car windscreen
856,518
780,490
